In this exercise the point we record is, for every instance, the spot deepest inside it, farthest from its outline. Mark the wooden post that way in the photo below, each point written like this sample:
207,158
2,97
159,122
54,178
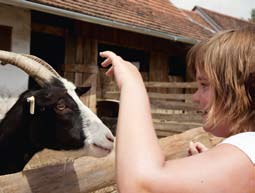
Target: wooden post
88,174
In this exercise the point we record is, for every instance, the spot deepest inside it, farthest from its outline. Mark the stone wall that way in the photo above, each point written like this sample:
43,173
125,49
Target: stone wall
13,79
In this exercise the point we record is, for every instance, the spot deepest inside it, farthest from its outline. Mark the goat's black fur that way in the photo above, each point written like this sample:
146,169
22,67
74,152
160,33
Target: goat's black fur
56,124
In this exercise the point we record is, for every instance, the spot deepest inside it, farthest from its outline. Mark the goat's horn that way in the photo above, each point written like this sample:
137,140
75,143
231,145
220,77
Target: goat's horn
35,67
39,60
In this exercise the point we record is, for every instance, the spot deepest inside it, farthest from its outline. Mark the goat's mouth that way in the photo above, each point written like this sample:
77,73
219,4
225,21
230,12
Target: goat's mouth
100,147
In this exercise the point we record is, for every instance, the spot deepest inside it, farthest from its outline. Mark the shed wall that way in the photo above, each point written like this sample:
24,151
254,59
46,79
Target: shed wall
12,79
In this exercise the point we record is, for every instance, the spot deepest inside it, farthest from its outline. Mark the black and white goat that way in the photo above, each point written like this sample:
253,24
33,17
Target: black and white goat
56,120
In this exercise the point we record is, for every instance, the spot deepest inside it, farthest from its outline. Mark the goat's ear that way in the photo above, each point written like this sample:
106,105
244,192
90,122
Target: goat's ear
48,96
82,90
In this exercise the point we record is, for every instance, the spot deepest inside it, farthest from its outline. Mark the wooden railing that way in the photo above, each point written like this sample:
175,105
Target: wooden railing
172,109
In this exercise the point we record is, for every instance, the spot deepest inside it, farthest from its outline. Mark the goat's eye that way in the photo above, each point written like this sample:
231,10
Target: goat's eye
61,106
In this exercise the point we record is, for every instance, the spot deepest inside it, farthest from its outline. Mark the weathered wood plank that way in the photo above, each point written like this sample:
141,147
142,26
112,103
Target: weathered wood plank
48,29
170,96
175,126
167,127
158,64
88,174
181,117
170,84
69,48
82,68
152,95
69,76
79,43
159,104
162,134
175,85
78,79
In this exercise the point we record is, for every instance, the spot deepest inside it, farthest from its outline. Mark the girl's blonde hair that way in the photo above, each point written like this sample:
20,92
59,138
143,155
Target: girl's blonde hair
228,60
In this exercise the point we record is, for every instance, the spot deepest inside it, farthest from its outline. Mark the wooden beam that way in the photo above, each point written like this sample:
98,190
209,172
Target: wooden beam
152,95
159,104
48,29
180,117
170,96
88,174
170,84
174,127
81,68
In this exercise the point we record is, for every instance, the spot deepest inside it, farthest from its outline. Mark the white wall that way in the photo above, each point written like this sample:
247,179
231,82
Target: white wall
12,79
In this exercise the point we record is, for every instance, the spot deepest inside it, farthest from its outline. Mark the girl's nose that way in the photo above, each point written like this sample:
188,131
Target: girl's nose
195,97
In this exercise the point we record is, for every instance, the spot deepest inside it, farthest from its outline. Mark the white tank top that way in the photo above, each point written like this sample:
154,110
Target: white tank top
245,142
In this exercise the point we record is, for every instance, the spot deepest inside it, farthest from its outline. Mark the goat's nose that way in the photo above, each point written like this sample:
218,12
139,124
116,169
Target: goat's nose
110,137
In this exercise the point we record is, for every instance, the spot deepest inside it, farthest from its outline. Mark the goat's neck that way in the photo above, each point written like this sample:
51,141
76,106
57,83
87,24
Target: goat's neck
15,144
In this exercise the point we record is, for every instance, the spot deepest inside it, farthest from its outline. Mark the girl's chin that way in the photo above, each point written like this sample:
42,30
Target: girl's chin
204,117
217,131
207,129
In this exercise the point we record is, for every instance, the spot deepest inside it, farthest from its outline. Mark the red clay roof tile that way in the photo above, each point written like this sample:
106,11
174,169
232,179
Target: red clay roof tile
223,21
156,15
197,18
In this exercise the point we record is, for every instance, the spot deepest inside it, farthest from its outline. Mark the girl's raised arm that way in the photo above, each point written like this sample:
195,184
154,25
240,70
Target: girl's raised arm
141,165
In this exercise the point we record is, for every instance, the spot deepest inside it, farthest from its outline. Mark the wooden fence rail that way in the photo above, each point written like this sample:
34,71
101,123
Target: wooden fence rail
171,105
88,174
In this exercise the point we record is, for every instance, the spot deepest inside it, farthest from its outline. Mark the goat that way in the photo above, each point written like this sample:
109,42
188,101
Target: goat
60,120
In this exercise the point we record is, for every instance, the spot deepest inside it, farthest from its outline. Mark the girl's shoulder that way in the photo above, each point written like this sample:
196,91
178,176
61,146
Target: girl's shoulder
245,142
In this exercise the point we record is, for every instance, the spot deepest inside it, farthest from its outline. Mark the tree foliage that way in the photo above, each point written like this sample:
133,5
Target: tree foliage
252,15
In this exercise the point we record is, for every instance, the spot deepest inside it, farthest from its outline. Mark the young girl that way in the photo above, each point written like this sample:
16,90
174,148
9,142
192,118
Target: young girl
224,67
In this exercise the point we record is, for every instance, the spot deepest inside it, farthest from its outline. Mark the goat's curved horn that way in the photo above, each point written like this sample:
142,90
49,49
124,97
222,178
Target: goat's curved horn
39,60
35,67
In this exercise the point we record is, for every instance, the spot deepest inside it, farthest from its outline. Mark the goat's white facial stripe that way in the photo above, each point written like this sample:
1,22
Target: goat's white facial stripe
99,138
86,113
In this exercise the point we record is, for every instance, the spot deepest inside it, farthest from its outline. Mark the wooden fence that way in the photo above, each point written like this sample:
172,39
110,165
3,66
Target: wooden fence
88,174
172,109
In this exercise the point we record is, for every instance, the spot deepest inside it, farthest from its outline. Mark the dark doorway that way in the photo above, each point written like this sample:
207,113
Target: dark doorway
48,47
5,38
138,57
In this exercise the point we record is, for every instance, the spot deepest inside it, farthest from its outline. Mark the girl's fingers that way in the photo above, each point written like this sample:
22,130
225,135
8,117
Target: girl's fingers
106,62
109,72
200,147
105,54
192,148
111,58
189,152
108,55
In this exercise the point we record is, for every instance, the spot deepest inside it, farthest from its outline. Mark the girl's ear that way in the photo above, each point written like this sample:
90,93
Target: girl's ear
48,96
82,90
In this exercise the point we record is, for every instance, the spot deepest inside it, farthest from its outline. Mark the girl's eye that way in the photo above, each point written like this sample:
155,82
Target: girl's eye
204,86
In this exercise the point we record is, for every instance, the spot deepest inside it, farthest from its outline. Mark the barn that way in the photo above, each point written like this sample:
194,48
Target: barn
69,36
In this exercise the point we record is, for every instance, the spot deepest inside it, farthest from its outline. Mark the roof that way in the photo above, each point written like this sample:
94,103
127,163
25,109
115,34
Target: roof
219,21
157,16
196,17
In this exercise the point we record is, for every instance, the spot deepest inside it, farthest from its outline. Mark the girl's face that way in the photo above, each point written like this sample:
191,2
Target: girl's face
203,97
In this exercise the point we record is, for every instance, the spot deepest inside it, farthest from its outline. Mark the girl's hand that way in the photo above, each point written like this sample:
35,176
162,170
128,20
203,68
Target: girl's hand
124,71
196,148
